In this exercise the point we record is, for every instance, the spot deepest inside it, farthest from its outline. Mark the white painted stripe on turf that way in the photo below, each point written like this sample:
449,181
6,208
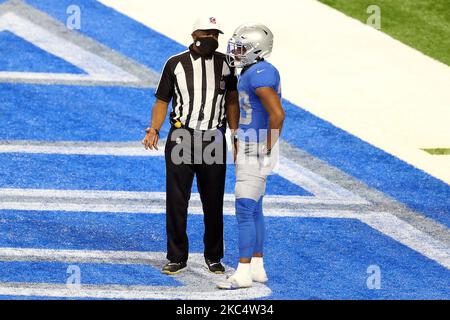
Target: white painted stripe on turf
82,194
159,196
68,149
81,256
155,209
97,194
411,237
132,292
313,182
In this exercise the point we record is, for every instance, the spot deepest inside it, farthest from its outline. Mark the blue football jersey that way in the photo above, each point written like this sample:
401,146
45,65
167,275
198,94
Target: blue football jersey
254,116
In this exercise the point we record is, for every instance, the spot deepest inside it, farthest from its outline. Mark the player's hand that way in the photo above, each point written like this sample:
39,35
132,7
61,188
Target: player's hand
151,140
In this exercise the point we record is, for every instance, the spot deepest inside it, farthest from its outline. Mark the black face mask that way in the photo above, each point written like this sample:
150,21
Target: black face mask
206,45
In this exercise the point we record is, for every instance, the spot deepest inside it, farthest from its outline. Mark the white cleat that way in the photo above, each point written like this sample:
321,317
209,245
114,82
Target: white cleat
242,278
257,270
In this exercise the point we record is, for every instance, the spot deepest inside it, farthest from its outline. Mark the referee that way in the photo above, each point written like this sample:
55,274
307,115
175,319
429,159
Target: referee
202,88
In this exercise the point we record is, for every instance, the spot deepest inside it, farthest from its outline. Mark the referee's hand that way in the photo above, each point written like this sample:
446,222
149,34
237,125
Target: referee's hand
151,140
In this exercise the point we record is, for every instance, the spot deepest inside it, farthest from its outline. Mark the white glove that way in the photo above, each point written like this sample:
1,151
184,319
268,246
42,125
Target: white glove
268,160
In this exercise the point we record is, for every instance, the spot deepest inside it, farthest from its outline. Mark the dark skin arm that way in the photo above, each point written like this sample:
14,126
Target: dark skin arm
233,114
271,102
159,112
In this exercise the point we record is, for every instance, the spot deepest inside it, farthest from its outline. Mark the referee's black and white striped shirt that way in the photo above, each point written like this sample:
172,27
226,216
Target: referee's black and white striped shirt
197,86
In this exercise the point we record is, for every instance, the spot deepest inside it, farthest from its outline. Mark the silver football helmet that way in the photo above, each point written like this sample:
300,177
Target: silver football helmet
249,43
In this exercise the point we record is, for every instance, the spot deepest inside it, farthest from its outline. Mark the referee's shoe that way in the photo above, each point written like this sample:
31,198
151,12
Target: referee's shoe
214,266
173,267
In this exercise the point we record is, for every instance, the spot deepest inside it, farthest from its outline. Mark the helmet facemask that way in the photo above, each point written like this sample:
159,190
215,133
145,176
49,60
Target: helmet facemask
241,54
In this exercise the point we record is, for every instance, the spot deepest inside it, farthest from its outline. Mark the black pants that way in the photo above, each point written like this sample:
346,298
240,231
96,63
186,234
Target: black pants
211,186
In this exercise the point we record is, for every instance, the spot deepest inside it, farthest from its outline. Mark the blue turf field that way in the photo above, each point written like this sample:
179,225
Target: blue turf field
331,255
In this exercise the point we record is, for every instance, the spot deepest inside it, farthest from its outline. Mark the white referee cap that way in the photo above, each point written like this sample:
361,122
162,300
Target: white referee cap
207,23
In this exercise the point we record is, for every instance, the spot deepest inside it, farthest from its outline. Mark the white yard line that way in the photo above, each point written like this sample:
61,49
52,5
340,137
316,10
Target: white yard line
133,292
159,209
359,79
69,148
80,256
81,194
46,195
137,151
313,182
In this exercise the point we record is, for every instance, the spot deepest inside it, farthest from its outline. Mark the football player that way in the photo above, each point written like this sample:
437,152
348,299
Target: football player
255,128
